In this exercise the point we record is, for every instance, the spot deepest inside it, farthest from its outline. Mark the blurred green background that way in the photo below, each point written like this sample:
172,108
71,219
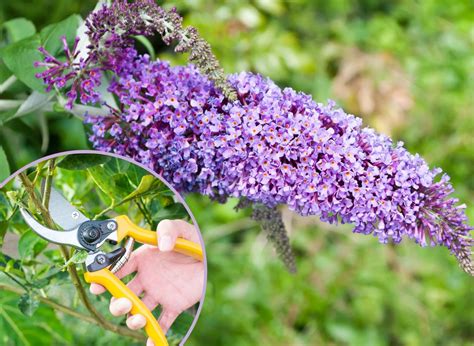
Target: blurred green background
407,68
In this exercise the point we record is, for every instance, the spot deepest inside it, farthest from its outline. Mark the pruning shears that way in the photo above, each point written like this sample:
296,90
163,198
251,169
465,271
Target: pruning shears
90,235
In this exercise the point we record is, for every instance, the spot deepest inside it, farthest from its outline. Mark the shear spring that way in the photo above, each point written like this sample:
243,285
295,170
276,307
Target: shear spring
126,256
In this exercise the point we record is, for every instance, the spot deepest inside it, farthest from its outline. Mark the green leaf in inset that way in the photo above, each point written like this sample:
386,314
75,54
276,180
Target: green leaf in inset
79,162
19,28
20,58
135,174
78,258
3,231
4,166
171,212
144,186
51,35
28,304
28,245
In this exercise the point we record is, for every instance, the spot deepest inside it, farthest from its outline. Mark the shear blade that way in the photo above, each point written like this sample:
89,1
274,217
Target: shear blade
62,238
63,213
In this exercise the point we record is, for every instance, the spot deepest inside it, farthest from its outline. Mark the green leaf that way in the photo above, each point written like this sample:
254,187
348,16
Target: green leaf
112,178
20,57
144,186
148,45
35,101
27,245
19,28
77,258
17,329
135,174
51,35
172,212
4,166
28,304
3,231
79,162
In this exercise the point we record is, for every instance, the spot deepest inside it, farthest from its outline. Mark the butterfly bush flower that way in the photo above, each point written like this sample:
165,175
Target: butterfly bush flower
271,146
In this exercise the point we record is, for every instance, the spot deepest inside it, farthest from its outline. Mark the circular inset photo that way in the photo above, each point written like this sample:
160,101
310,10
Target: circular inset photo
97,249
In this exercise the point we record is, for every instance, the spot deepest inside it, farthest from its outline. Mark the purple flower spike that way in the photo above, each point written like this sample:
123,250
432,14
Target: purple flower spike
277,146
271,146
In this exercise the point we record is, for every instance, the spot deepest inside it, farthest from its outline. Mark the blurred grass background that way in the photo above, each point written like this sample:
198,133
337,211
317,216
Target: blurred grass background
406,67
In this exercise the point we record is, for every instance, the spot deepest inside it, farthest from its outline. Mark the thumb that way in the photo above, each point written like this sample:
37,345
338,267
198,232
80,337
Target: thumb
169,230
167,233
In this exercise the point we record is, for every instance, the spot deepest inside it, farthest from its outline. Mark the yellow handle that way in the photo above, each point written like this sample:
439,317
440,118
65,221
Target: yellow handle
118,289
127,228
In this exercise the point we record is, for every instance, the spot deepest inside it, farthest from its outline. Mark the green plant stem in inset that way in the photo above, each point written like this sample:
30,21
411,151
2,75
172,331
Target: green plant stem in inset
48,182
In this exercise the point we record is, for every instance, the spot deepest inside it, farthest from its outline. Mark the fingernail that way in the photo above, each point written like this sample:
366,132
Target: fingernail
120,306
165,243
136,322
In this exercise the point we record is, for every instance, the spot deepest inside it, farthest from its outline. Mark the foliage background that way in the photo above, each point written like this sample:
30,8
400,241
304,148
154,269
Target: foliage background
407,68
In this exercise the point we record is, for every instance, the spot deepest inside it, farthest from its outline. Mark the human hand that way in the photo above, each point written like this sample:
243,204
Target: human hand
164,277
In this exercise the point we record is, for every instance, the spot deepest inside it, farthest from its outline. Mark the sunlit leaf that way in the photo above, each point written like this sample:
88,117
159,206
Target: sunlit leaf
144,186
82,161
19,28
51,35
20,57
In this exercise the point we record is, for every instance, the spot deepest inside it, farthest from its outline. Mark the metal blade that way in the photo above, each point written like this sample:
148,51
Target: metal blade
63,213
63,238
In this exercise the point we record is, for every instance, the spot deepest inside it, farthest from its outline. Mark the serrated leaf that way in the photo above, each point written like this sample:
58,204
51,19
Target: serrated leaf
19,28
20,56
51,35
79,162
4,166
28,304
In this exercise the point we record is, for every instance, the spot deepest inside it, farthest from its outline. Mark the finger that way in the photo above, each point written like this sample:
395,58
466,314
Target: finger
149,342
136,322
120,306
149,302
167,234
169,230
166,319
136,286
97,289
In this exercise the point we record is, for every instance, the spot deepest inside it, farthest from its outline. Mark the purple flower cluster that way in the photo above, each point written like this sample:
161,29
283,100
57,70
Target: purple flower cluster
275,146
57,73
